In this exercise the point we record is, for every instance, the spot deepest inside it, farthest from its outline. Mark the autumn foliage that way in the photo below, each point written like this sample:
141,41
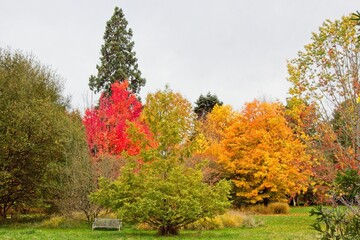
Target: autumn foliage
114,126
264,158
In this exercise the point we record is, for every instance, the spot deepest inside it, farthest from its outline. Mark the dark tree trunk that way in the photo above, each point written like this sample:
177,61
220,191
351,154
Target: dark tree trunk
266,202
168,230
3,213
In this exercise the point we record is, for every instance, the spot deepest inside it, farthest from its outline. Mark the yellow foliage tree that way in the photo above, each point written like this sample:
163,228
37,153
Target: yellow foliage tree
212,129
171,120
263,156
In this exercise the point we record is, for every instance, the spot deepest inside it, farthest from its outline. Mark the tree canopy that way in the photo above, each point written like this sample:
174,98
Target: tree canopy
110,126
326,74
205,104
170,118
118,61
36,132
265,160
166,195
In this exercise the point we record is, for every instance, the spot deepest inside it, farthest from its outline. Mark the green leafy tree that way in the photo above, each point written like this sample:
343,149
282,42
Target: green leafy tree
205,104
326,74
118,61
171,120
36,133
166,195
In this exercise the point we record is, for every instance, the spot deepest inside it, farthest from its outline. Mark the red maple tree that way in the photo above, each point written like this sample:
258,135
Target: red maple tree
115,125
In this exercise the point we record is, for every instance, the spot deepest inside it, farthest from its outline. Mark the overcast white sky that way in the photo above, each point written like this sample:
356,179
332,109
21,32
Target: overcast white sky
235,49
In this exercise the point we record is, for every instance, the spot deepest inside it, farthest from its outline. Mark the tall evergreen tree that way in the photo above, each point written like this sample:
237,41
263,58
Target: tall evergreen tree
118,61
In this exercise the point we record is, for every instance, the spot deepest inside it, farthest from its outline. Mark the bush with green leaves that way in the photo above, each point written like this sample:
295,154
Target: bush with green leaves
336,222
341,222
165,194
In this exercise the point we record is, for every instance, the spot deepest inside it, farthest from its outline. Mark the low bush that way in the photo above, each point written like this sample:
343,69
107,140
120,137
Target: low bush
206,224
337,222
53,222
231,219
257,209
62,222
272,208
279,208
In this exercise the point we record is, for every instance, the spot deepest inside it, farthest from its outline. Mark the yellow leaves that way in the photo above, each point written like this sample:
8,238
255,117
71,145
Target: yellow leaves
201,143
170,118
217,122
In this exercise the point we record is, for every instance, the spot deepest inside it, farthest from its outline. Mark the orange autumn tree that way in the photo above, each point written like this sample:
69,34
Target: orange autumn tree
265,160
210,131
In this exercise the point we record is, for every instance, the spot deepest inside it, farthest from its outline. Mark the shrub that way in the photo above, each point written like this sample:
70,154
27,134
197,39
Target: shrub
230,219
258,209
272,208
171,187
62,222
337,222
206,224
279,208
53,222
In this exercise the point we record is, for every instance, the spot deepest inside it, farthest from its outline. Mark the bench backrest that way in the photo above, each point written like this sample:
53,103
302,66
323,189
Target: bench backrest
101,222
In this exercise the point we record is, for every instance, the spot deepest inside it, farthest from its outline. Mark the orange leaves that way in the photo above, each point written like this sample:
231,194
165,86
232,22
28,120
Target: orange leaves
262,155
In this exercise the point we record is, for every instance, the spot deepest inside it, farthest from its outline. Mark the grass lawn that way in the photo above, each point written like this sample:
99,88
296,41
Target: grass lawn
295,225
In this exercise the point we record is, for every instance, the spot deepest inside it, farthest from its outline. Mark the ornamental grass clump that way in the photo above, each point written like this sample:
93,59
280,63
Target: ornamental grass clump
272,208
230,219
279,208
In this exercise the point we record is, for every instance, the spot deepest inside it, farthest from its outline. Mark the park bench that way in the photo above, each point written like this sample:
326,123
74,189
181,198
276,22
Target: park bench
106,223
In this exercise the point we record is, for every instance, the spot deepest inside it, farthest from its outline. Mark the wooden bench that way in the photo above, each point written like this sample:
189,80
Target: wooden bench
107,223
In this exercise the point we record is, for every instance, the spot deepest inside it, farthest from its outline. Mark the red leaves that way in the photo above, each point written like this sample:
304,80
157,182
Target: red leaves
107,126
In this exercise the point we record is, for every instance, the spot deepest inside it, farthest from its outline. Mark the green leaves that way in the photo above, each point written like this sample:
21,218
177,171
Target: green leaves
35,132
118,61
336,223
163,193
170,118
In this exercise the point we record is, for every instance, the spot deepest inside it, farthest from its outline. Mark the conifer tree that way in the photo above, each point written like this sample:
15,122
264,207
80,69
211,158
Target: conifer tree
118,61
205,104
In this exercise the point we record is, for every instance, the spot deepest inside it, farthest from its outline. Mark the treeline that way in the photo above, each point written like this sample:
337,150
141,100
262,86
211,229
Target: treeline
167,163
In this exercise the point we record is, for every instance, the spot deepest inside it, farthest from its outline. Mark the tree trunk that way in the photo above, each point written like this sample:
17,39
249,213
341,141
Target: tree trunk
168,230
266,202
4,212
357,133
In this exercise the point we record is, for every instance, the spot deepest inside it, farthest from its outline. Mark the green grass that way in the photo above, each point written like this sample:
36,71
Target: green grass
295,225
